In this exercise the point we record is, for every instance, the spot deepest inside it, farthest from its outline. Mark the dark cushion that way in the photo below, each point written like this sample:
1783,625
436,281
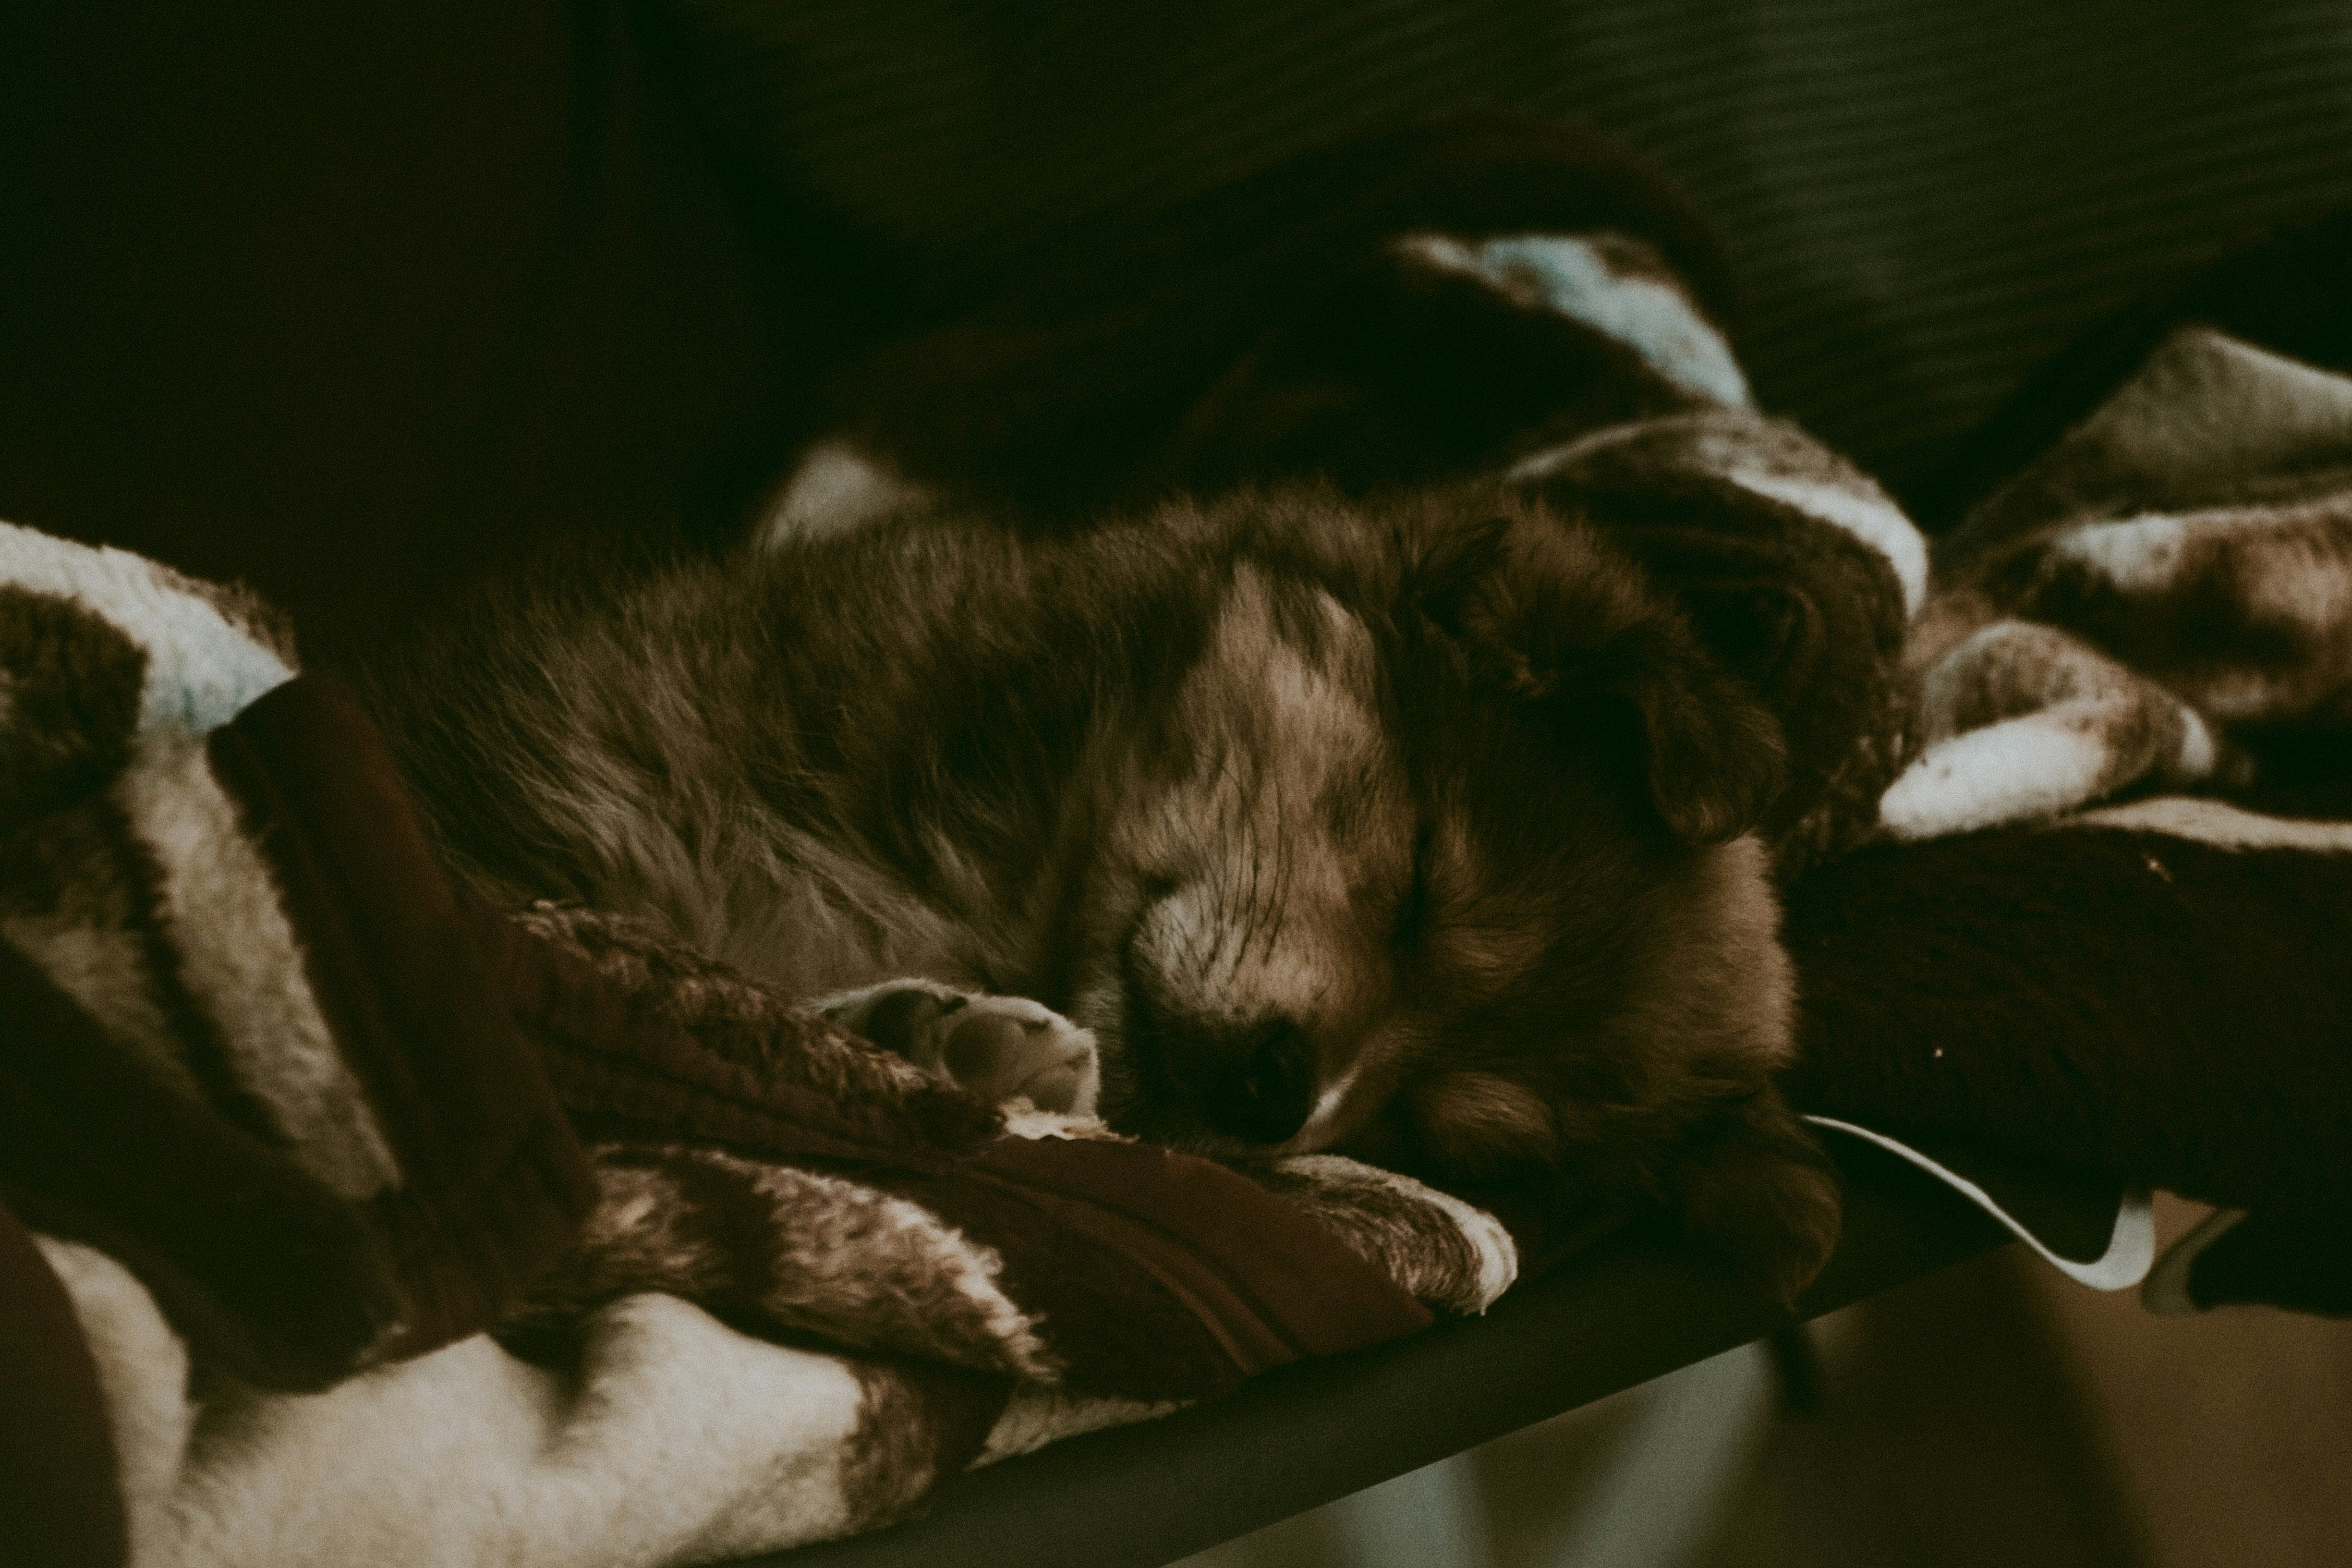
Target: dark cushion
351,302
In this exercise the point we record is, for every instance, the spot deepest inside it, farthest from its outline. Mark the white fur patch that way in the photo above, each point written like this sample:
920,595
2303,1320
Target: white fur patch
1498,1254
836,489
2220,823
1330,1102
200,669
2018,770
1569,276
1260,888
218,904
1866,514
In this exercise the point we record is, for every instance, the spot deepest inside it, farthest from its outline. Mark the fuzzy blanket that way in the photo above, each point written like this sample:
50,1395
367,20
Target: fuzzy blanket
404,1230
298,1122
2143,981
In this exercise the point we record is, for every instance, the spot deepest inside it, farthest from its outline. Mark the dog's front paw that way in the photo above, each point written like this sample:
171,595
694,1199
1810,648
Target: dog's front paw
1000,1049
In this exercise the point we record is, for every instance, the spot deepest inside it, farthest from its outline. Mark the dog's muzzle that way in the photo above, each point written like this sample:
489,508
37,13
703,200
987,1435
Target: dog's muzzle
1252,1081
1256,1083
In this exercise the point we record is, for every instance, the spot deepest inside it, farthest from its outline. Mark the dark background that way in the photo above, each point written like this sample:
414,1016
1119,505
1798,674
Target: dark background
354,301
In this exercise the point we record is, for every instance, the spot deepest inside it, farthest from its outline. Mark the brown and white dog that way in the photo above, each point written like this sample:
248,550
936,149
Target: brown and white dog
1426,812
1415,831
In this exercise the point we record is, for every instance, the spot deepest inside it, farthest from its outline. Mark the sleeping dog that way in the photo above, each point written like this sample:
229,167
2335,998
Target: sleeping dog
1416,820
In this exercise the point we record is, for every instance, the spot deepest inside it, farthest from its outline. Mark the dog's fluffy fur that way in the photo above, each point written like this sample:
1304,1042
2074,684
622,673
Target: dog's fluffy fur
1413,830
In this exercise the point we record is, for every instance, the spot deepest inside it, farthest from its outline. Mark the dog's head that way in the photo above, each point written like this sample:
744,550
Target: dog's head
1437,855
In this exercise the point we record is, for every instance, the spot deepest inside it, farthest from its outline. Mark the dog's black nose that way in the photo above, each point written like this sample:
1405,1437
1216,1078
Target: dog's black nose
1264,1095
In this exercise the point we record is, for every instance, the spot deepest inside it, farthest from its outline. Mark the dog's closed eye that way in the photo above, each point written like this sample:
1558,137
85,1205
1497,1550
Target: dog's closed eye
1412,912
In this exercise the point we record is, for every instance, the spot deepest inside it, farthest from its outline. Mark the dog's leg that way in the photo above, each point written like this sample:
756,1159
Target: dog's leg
1000,1049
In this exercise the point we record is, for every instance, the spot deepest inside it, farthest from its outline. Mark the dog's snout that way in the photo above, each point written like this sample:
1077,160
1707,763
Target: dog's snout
1266,1087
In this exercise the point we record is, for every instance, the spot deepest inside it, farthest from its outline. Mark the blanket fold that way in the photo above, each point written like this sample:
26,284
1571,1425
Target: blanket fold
780,1172
494,1184
242,1012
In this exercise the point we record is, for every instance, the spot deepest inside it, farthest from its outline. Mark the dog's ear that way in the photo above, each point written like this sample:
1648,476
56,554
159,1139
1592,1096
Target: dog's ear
1545,610
1754,1184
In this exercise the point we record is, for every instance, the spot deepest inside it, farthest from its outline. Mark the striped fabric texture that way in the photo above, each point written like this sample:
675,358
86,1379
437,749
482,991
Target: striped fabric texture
1921,202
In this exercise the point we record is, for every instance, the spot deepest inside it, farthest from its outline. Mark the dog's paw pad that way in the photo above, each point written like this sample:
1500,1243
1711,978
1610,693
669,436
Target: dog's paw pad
1003,1047
902,1020
1000,1049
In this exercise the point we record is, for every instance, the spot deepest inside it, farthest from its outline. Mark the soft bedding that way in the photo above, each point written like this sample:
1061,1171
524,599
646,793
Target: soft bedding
401,1229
